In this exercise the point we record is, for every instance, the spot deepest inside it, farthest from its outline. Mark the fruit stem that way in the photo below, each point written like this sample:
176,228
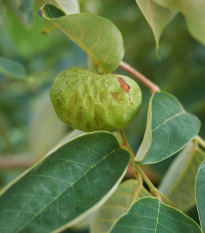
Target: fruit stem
126,67
126,144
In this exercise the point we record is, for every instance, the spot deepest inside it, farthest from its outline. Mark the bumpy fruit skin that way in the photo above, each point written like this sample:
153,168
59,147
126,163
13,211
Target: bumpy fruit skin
90,102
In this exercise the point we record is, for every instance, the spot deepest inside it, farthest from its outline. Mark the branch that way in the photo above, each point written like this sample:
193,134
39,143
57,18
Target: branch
7,162
152,87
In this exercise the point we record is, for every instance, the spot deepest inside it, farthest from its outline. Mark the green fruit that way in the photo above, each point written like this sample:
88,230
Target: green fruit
89,102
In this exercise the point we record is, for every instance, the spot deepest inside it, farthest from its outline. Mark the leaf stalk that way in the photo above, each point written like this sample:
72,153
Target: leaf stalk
140,175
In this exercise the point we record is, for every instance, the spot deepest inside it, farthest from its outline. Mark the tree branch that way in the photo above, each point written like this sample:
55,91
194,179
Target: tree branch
152,87
7,162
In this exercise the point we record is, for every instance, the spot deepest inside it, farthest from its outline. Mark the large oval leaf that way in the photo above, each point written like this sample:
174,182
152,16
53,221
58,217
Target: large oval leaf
65,186
157,17
193,11
117,205
12,69
178,183
149,215
169,129
200,191
96,35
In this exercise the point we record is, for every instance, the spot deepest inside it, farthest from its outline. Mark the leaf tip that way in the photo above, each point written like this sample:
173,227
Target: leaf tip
158,52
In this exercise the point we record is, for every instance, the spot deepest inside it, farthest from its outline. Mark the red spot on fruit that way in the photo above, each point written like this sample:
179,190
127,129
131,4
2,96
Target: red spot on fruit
123,84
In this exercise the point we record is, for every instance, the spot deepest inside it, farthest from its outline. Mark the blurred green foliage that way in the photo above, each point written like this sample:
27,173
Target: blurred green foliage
180,70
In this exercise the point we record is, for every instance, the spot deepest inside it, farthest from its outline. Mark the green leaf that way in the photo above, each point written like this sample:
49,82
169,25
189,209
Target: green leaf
169,129
64,187
96,35
200,190
193,12
149,215
12,69
68,7
179,181
117,205
157,17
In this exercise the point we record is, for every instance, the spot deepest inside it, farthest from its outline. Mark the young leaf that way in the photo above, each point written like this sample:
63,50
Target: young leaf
169,129
179,181
149,215
193,12
157,17
117,205
68,7
65,186
200,191
12,69
102,41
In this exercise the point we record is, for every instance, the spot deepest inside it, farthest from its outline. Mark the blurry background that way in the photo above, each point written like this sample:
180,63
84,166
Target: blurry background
29,127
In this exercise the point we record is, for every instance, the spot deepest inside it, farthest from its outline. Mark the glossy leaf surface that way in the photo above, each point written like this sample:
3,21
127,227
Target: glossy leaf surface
178,184
65,186
169,129
200,191
117,205
102,41
149,215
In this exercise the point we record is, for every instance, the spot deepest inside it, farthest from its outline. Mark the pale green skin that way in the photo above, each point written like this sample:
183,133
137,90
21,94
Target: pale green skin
90,102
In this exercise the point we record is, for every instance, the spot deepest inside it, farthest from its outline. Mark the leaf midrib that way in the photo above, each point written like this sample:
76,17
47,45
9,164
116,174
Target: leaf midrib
79,42
169,119
157,219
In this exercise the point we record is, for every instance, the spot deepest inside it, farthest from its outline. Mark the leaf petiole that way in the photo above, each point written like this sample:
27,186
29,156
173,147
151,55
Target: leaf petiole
155,192
140,175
